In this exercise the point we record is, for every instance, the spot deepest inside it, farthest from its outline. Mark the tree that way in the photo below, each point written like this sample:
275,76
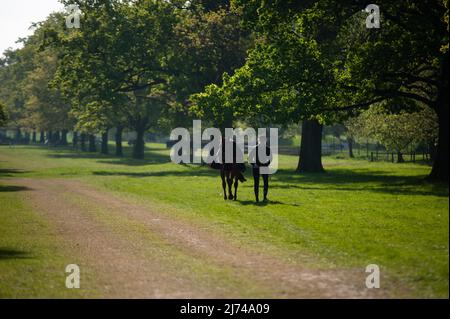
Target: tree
45,107
123,52
283,81
356,131
396,131
26,74
3,115
408,62
323,50
14,68
213,42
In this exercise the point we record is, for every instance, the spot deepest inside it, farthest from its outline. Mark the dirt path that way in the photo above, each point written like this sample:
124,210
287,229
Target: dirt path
134,251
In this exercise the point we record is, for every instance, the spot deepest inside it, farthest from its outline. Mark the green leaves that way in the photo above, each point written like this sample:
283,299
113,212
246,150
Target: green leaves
3,114
396,131
318,59
122,48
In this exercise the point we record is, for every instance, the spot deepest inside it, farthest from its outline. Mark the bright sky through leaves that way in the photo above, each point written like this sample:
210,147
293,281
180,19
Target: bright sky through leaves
16,17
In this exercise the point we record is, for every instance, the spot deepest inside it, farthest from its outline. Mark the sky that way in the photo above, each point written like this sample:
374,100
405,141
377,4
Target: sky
16,17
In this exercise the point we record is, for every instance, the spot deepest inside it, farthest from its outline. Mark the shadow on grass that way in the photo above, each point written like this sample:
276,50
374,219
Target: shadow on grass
78,155
7,253
262,203
12,188
354,180
151,157
399,189
335,179
11,172
192,173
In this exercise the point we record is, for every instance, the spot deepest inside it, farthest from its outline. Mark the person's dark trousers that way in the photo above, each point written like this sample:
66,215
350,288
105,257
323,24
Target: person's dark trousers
265,177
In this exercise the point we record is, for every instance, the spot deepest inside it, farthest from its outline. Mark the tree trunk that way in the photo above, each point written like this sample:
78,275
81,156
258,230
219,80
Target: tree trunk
104,149
50,137
400,158
140,125
64,137
18,135
57,137
27,138
118,138
310,160
350,147
75,140
33,138
367,149
41,137
83,141
432,149
439,171
139,144
92,146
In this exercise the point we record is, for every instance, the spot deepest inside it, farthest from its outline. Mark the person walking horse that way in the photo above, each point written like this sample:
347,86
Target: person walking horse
259,165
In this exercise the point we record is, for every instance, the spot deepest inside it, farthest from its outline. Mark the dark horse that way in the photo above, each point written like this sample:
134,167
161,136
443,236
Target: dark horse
229,172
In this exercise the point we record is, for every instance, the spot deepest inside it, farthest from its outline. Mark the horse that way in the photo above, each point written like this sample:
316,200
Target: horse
229,172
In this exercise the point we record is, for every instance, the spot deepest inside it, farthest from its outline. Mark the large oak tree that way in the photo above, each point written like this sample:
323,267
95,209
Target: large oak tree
319,57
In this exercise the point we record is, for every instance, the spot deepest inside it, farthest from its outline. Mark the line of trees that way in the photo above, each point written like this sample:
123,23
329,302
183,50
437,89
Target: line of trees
397,132
151,65
132,65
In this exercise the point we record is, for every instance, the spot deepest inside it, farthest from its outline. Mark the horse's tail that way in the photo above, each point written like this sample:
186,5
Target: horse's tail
241,177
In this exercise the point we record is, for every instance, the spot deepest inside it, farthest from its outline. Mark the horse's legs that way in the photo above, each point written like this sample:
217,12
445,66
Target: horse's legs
230,183
256,183
236,183
224,184
266,185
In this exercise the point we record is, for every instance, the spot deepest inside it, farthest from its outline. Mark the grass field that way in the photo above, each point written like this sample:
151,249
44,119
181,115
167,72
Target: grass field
357,213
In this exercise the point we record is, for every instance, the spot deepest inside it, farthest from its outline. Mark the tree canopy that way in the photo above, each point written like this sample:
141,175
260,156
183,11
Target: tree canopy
317,59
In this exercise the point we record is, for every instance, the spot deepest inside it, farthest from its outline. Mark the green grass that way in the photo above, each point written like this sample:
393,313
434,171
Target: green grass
358,213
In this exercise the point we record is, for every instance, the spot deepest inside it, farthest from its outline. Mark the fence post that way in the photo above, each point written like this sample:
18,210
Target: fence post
371,156
392,157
